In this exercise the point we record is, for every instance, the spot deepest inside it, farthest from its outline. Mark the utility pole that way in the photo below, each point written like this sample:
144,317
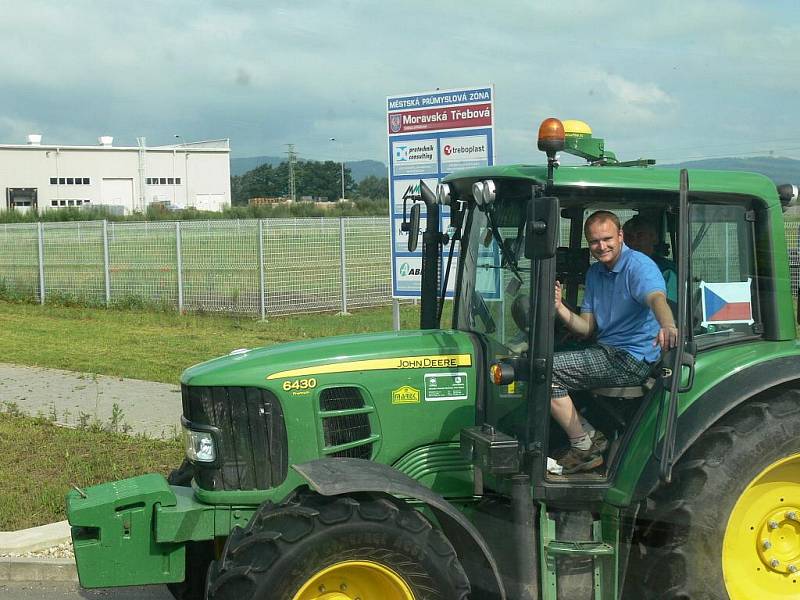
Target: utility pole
292,160
333,139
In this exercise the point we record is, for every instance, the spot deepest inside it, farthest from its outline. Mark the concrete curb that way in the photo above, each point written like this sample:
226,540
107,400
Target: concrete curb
38,569
35,568
34,539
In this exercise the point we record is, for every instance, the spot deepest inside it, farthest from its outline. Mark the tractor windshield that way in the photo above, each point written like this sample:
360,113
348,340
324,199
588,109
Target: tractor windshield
492,294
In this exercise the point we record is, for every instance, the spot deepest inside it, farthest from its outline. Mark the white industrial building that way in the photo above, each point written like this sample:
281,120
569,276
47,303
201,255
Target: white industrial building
125,179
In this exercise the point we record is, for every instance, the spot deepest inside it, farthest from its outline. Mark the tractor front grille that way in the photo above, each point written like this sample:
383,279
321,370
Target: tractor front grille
251,444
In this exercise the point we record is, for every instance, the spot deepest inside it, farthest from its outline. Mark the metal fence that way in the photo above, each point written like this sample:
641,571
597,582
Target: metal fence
257,267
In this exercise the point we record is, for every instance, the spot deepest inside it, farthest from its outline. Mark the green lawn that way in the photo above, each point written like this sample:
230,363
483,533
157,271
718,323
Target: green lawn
158,346
41,461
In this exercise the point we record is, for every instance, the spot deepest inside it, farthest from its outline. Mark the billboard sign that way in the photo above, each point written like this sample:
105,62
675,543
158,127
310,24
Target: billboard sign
432,134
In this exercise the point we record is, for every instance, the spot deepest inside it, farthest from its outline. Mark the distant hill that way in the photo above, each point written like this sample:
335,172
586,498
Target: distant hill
359,168
779,170
240,166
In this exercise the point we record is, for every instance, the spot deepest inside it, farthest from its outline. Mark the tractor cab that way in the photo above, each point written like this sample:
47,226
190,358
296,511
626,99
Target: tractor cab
515,231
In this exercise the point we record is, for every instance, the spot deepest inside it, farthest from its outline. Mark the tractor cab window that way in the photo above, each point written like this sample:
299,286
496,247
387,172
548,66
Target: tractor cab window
495,278
723,270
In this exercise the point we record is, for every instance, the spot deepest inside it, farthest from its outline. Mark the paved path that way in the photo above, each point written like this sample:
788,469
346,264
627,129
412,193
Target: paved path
153,409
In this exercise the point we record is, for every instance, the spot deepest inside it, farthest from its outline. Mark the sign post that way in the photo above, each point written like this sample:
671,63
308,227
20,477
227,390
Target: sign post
432,134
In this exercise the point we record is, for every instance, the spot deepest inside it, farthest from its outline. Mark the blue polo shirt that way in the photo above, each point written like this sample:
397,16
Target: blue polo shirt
618,300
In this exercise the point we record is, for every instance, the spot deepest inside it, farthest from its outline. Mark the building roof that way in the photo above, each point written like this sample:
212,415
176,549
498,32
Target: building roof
221,145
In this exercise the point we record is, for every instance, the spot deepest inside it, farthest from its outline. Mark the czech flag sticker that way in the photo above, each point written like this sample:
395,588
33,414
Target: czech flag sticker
727,302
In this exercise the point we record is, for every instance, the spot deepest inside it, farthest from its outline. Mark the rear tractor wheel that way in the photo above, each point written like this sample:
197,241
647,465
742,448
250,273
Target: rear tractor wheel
729,525
313,547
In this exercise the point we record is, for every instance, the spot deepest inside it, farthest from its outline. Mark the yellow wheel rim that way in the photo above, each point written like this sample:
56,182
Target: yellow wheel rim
353,579
761,548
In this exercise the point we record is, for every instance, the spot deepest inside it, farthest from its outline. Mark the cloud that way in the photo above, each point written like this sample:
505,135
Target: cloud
269,74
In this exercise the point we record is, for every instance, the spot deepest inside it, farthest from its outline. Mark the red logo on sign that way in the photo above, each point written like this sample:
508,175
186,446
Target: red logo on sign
452,117
448,149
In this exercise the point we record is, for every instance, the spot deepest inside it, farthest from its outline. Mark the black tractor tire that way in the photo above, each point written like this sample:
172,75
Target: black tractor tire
198,558
677,546
182,476
286,546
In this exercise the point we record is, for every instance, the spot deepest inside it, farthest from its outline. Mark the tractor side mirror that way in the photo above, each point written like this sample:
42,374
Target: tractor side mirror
541,235
413,227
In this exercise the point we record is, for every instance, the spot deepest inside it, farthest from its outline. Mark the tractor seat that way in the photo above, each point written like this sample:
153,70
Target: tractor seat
630,391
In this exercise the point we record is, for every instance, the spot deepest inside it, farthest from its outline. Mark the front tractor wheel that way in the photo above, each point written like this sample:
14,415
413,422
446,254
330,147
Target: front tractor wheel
729,525
314,547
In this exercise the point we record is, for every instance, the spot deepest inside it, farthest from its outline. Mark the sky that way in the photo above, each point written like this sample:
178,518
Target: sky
671,80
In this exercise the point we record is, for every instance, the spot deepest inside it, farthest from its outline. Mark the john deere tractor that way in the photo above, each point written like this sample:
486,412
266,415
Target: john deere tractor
413,465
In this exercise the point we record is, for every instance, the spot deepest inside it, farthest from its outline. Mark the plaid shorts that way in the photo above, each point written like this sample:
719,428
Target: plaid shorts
596,366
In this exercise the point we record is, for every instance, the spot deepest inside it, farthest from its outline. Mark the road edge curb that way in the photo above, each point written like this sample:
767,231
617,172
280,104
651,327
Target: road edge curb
14,568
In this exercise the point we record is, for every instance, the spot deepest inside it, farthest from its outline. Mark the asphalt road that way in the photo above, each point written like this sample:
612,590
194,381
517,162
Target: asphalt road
71,591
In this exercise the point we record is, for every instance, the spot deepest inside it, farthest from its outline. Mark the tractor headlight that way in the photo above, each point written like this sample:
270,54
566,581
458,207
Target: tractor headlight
444,194
484,192
199,446
477,192
489,191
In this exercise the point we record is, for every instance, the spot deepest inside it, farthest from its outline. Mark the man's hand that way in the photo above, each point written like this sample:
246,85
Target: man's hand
668,334
558,295
667,338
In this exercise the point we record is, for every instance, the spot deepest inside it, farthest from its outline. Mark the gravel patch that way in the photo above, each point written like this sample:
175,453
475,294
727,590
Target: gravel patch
64,550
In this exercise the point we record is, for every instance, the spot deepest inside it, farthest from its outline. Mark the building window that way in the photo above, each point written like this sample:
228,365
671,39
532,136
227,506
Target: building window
70,181
163,180
53,202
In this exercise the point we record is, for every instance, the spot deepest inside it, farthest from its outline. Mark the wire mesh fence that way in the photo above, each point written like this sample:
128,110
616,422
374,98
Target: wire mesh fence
250,267
255,267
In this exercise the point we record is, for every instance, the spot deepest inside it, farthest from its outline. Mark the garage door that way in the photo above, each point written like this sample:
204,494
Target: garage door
118,192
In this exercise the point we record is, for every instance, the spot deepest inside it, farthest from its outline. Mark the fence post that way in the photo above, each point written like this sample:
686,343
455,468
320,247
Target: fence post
41,262
179,265
106,265
262,292
342,266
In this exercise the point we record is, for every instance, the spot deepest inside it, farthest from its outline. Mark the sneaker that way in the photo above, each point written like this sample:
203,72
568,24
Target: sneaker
576,460
599,445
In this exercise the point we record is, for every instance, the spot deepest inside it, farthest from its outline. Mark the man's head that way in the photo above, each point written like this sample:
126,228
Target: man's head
604,236
641,235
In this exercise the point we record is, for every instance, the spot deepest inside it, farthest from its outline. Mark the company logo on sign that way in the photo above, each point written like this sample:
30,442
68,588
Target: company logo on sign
405,395
465,150
401,153
406,270
395,123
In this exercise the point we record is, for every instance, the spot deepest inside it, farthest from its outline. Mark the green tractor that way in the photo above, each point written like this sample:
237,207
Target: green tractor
413,465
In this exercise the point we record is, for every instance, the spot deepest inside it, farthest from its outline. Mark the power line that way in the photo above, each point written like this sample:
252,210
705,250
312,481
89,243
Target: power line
292,159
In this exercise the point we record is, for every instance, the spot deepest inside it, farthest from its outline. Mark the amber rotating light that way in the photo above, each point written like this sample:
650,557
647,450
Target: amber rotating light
551,141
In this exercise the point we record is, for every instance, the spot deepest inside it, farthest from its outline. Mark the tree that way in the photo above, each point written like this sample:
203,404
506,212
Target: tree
376,188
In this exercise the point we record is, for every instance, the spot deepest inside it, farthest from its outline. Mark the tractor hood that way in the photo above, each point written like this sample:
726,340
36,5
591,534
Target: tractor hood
263,367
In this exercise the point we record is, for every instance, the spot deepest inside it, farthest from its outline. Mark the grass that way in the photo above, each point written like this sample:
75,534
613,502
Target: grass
158,346
41,461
